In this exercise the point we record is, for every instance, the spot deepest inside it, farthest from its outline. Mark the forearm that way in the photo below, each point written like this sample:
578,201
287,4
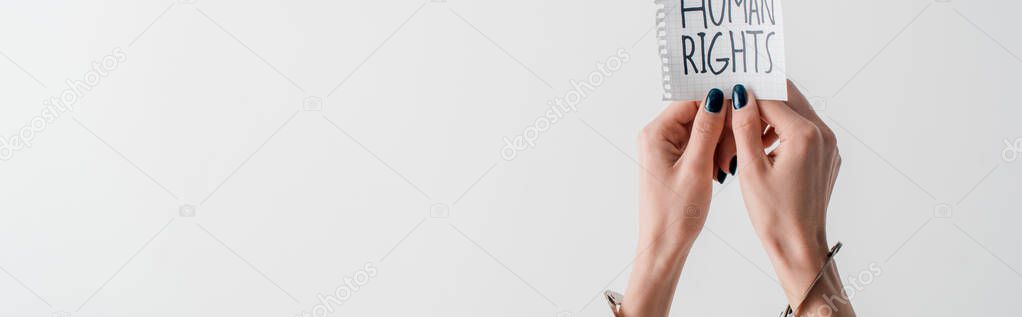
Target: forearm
653,280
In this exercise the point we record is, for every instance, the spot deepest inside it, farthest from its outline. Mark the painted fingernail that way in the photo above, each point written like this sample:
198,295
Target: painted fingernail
739,96
714,100
734,165
721,176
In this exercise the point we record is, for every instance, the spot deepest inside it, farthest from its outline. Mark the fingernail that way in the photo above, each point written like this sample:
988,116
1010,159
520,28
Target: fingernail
739,96
714,100
734,165
721,176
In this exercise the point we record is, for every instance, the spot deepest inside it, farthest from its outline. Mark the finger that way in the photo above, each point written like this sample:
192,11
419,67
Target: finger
672,122
783,119
769,137
795,133
798,101
746,124
726,157
662,139
705,134
727,150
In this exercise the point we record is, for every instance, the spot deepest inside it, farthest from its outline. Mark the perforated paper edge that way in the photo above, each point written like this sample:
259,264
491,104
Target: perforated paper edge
663,47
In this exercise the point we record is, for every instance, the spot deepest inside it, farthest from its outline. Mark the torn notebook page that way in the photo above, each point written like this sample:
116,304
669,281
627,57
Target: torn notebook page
708,44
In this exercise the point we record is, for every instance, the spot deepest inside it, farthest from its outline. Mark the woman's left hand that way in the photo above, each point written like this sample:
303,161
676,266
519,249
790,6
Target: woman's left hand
677,154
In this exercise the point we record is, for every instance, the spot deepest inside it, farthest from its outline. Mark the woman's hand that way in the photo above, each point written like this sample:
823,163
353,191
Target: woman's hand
676,153
787,191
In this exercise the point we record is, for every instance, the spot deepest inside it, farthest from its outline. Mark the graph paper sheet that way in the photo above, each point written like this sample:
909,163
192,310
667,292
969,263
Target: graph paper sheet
707,44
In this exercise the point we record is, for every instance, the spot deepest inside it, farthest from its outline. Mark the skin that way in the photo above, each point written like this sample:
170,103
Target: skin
786,193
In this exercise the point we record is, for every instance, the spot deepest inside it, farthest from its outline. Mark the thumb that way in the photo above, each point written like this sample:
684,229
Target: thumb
706,129
747,128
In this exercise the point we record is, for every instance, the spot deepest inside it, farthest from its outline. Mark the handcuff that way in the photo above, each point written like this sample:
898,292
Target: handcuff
789,311
615,299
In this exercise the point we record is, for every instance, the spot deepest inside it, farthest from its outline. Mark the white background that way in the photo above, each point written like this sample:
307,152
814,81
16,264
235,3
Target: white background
417,98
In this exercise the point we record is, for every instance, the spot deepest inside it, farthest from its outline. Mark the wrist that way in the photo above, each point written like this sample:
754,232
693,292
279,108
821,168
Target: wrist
797,259
677,233
827,298
667,241
653,280
666,248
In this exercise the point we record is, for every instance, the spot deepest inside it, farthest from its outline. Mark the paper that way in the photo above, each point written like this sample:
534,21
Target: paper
707,44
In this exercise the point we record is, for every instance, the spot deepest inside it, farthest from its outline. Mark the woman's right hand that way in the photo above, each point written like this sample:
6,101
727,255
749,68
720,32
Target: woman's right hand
787,191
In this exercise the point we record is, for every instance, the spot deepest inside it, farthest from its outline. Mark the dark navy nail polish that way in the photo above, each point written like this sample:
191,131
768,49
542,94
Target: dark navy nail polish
714,100
734,165
739,96
721,176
